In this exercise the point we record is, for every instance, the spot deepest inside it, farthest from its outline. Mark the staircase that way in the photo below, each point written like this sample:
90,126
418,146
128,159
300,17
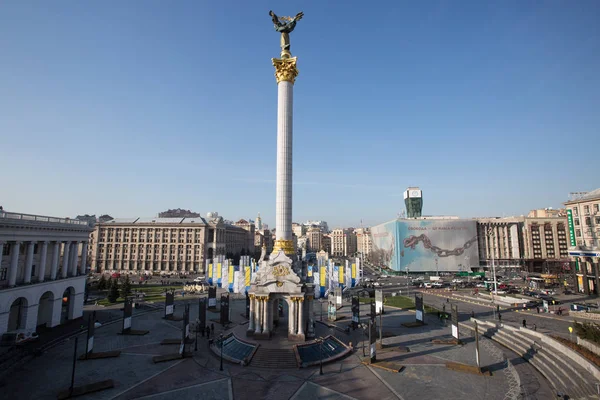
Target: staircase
274,358
564,375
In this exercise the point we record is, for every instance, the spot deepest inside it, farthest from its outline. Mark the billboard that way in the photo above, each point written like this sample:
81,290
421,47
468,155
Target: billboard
426,245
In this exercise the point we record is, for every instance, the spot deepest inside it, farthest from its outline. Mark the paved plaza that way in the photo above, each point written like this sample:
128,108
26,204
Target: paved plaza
424,376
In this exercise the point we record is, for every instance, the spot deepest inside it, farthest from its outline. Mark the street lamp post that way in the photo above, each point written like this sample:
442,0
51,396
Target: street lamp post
197,326
221,339
407,288
491,235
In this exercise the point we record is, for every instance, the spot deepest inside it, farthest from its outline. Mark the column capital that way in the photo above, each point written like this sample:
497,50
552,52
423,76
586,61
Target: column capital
285,69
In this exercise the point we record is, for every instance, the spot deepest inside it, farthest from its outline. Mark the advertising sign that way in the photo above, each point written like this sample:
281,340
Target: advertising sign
419,306
322,279
372,340
210,274
379,301
230,276
353,276
90,334
212,297
423,245
455,321
310,271
169,299
341,275
219,273
331,310
202,312
338,296
247,277
355,312
224,309
572,240
127,312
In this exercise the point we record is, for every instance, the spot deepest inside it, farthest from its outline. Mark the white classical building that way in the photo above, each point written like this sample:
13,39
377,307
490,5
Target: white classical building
42,270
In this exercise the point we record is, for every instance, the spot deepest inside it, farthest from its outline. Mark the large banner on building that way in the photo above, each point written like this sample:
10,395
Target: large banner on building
426,245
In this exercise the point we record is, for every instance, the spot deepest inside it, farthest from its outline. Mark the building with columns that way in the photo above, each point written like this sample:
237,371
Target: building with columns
314,239
43,269
535,244
583,219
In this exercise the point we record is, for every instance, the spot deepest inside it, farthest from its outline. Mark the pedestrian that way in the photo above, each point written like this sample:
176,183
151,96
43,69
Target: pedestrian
447,300
538,309
524,323
534,327
472,314
499,317
212,330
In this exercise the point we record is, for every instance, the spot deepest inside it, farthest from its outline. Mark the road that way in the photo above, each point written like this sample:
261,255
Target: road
544,322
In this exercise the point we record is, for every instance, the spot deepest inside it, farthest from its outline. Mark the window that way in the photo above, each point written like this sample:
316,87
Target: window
597,220
588,221
596,207
576,221
6,250
577,232
576,211
3,273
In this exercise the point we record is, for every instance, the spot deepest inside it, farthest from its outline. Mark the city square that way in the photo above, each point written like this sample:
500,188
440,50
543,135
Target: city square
406,305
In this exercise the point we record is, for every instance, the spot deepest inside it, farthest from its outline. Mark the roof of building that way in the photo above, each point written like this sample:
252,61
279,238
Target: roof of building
593,195
178,220
242,221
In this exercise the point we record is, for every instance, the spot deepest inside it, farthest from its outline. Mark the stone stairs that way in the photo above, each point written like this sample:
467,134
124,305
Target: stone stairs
274,358
564,375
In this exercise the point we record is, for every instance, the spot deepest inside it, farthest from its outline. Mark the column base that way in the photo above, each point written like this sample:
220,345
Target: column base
262,336
297,337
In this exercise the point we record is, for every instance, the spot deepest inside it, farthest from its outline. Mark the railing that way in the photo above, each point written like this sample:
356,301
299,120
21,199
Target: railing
41,218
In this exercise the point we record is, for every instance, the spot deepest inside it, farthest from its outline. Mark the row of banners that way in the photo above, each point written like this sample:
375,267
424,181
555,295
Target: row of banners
238,278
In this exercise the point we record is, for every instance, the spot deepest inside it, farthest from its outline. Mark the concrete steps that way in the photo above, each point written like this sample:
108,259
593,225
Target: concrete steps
274,358
565,376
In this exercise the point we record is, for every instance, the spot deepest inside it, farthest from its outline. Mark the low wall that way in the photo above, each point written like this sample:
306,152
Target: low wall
586,315
573,355
591,346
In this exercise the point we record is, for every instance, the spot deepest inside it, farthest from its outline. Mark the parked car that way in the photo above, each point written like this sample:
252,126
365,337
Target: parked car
116,275
199,279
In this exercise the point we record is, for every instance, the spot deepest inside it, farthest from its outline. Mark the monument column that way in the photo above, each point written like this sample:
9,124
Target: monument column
251,316
266,316
292,317
285,72
300,316
258,313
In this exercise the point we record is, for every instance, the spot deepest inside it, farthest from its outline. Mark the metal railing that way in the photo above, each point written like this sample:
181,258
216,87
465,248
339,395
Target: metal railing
40,218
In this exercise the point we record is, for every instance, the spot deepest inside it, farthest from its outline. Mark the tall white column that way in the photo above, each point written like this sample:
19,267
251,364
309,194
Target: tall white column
55,258
14,263
65,265
300,315
267,316
28,262
84,250
251,325
43,257
285,102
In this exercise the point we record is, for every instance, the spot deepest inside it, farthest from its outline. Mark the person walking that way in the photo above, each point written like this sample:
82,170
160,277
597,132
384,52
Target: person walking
524,323
499,317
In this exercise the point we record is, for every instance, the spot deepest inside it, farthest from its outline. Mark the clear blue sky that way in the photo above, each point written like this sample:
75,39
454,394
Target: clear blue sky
130,108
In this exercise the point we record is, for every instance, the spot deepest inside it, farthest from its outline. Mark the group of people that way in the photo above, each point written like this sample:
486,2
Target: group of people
208,330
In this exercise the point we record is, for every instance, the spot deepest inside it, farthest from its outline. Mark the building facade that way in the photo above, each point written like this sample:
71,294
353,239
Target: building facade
534,244
43,269
583,219
167,245
343,242
314,242
364,241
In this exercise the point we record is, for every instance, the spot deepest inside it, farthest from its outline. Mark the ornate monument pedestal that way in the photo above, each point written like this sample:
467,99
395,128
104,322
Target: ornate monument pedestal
278,281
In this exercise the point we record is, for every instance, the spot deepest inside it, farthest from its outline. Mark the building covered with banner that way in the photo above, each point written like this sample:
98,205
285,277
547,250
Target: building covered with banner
427,244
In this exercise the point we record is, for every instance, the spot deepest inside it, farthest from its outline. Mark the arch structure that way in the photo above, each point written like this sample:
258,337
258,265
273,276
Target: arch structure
27,308
277,280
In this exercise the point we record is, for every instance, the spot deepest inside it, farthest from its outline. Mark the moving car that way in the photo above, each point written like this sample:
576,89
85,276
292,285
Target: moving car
199,279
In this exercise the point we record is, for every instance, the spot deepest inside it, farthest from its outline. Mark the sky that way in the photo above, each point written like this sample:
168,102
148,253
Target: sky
131,108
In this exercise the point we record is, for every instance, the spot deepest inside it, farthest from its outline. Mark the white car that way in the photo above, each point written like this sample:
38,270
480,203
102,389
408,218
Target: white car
376,284
199,279
457,281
